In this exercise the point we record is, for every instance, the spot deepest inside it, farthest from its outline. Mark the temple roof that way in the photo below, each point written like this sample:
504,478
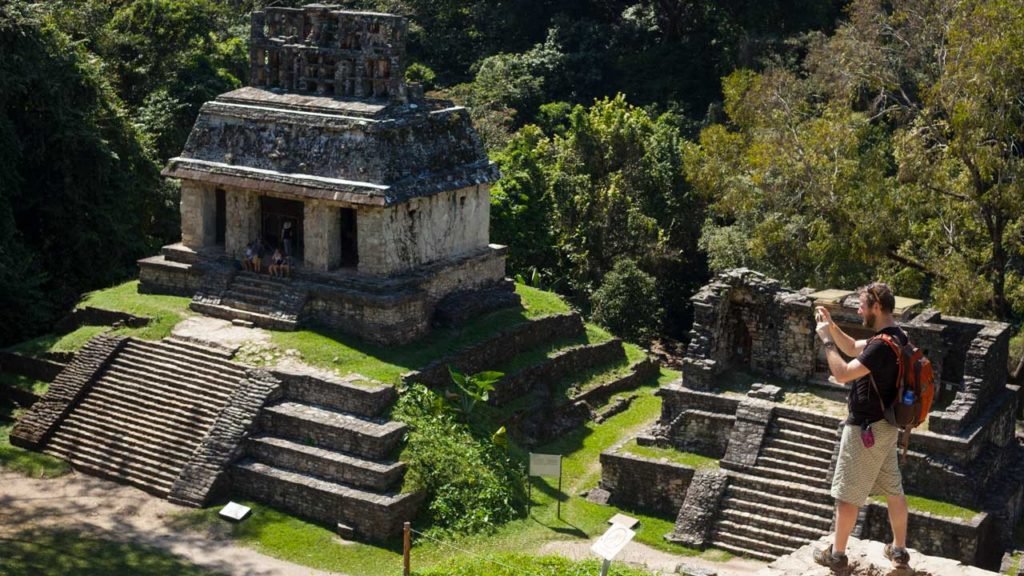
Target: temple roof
359,151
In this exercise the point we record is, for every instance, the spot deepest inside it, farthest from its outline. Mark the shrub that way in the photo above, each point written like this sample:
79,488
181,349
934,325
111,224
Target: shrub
627,303
471,483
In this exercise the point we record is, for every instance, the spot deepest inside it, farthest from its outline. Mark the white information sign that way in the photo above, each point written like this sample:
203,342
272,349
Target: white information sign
549,465
612,542
234,511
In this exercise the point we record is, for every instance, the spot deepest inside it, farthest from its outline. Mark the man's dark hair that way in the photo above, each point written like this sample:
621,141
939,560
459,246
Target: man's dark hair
881,293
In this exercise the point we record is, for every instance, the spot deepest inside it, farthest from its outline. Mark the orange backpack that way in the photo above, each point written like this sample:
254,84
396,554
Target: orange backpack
915,375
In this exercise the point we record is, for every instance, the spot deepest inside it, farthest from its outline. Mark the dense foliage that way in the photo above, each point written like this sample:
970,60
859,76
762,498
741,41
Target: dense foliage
471,482
825,143
892,150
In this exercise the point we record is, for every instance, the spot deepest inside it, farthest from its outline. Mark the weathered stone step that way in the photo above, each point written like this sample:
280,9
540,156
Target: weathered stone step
785,529
770,541
117,411
326,464
332,429
796,447
116,421
270,308
781,488
140,477
228,313
173,348
255,289
157,398
127,464
376,516
804,439
815,473
743,546
110,443
808,428
211,351
187,416
758,498
252,278
741,503
131,434
802,458
161,385
768,471
175,362
353,393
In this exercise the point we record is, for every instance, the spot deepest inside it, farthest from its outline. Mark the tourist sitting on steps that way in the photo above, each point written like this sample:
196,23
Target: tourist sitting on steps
867,462
277,263
247,263
257,256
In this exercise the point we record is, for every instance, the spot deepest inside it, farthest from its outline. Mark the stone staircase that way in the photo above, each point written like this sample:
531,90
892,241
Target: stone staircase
148,411
324,453
264,300
783,501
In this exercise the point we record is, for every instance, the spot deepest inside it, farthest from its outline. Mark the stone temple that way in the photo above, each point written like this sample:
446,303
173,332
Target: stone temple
755,397
384,192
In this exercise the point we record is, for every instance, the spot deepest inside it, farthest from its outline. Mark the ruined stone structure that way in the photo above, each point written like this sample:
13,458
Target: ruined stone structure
384,193
770,495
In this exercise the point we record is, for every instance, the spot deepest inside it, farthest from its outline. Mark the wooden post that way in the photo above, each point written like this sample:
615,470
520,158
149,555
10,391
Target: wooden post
406,546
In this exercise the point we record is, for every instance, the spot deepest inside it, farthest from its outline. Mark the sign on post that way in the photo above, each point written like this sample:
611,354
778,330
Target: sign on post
549,465
611,543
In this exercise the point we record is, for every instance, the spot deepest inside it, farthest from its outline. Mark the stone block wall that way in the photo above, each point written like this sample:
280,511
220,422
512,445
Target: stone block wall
386,319
34,368
157,275
204,476
92,316
482,268
198,214
697,515
969,541
645,484
423,230
367,399
499,348
557,367
694,421
35,427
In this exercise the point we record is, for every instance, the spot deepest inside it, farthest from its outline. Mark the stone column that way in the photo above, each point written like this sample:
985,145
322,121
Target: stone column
198,214
322,235
371,229
243,221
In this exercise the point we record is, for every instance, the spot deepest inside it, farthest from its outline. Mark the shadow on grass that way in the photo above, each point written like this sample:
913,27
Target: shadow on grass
68,553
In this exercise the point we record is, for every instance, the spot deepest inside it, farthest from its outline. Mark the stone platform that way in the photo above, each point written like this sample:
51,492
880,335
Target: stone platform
866,559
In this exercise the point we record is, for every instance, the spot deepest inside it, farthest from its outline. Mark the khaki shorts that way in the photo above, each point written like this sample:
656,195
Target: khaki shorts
861,471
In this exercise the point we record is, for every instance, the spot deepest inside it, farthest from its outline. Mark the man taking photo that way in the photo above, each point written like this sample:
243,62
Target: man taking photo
867,461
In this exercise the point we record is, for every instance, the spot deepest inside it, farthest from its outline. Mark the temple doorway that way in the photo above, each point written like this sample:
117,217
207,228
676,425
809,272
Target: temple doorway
220,218
349,240
281,226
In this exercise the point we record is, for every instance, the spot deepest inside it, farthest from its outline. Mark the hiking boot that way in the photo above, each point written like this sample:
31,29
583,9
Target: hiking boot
825,557
899,556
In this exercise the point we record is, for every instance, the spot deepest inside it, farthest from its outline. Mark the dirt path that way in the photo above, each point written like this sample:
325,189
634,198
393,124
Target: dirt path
125,514
642,555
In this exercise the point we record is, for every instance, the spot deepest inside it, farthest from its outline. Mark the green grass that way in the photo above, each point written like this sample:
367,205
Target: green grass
70,342
23,461
1015,565
282,536
165,311
37,387
334,350
685,458
520,564
922,504
66,553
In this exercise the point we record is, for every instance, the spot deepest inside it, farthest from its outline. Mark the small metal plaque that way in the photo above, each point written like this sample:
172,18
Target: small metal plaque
235,511
612,542
623,520
549,465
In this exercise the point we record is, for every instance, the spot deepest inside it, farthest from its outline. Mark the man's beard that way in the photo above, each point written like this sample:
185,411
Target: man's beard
869,319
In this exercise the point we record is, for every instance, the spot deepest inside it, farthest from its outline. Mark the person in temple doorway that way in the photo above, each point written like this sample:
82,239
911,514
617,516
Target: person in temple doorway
287,238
